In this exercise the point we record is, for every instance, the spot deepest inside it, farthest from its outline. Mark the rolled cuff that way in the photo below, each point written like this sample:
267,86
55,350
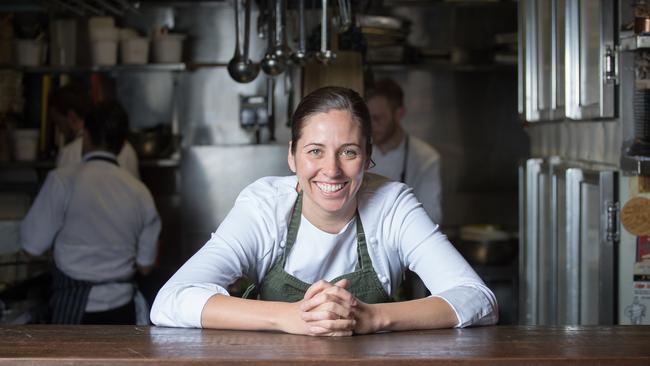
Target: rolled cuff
473,306
185,311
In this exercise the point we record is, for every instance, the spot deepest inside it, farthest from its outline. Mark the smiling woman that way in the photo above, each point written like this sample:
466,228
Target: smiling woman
327,247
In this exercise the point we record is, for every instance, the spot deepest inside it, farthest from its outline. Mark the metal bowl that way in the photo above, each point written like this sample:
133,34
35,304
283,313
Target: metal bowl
490,253
487,245
156,143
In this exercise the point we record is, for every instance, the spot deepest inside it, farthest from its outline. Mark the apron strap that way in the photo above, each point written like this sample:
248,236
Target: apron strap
292,231
363,260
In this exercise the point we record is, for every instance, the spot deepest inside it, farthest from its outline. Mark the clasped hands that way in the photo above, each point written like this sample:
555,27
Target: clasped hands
331,310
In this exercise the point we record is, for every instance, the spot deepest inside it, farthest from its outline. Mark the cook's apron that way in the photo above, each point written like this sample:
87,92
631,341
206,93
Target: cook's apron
69,295
363,283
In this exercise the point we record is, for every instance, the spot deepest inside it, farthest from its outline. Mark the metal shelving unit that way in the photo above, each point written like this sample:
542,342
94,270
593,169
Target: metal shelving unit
633,42
107,69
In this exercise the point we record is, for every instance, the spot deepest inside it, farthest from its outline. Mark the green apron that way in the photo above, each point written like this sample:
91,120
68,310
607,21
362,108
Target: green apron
363,283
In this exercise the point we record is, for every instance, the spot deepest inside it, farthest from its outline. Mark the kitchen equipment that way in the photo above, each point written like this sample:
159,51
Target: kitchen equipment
168,48
271,64
29,52
63,42
134,50
25,142
281,49
487,245
325,56
300,56
346,71
155,143
568,255
240,67
104,53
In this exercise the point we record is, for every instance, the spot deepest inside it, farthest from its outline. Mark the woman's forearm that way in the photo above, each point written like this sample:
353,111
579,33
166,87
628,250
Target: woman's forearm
427,313
227,312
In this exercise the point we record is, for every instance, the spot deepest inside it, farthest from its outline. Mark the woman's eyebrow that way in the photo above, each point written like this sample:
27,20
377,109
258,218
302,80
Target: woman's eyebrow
313,144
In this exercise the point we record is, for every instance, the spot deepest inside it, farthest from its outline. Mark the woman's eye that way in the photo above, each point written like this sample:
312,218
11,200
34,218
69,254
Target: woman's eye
314,152
349,153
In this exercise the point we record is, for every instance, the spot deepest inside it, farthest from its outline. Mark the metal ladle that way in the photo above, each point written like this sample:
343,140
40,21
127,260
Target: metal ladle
241,68
281,49
272,65
325,56
300,57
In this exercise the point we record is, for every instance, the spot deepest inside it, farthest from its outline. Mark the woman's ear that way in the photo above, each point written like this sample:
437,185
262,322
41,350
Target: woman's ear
291,160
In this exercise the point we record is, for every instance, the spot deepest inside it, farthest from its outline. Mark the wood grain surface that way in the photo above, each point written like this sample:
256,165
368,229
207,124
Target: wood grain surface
497,345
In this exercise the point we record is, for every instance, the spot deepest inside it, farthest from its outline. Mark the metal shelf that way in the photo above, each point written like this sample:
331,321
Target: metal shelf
442,65
109,69
632,42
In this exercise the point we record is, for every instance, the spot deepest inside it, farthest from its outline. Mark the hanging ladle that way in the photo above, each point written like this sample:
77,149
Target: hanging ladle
241,68
281,48
325,56
299,57
273,65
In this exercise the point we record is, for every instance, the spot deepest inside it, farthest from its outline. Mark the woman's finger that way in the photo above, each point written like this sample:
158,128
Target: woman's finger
333,294
316,288
328,311
319,300
325,327
323,285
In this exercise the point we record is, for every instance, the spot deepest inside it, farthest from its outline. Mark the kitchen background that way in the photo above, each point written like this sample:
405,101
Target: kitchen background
494,86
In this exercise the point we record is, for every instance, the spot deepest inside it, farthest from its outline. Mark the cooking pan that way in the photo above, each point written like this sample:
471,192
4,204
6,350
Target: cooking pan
155,143
487,245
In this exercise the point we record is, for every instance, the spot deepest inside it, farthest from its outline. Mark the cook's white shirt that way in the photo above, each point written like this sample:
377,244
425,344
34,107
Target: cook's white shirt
102,222
422,172
70,154
252,236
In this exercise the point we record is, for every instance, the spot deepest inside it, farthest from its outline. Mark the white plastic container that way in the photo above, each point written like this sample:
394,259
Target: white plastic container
63,42
29,52
134,51
168,48
104,53
104,34
25,144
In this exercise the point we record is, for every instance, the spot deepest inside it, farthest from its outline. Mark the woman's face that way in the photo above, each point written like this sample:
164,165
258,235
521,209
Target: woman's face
329,161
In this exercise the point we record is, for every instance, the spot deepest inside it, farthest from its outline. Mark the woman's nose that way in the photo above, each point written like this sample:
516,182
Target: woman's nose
331,165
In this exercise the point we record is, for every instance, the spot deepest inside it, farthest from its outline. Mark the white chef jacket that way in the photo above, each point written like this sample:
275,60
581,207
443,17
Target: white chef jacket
422,172
70,154
399,233
102,222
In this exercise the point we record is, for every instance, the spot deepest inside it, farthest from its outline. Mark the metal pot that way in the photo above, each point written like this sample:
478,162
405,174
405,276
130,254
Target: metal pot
154,143
487,245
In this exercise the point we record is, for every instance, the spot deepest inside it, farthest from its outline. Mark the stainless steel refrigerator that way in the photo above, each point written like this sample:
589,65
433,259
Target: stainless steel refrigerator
569,242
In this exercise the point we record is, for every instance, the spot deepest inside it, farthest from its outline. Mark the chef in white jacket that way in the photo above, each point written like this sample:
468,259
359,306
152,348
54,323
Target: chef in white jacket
101,224
327,247
68,107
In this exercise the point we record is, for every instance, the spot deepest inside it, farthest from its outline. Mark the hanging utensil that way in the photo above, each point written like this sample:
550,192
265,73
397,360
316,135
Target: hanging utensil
270,85
345,15
325,56
272,64
300,57
282,50
240,67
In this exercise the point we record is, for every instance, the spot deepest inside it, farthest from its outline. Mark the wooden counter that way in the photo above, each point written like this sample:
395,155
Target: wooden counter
498,345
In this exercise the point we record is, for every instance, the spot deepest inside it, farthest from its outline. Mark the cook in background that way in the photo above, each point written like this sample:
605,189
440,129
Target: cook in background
68,107
398,155
102,224
327,246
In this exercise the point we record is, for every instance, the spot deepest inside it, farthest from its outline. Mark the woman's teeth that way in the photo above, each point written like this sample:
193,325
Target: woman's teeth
329,188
